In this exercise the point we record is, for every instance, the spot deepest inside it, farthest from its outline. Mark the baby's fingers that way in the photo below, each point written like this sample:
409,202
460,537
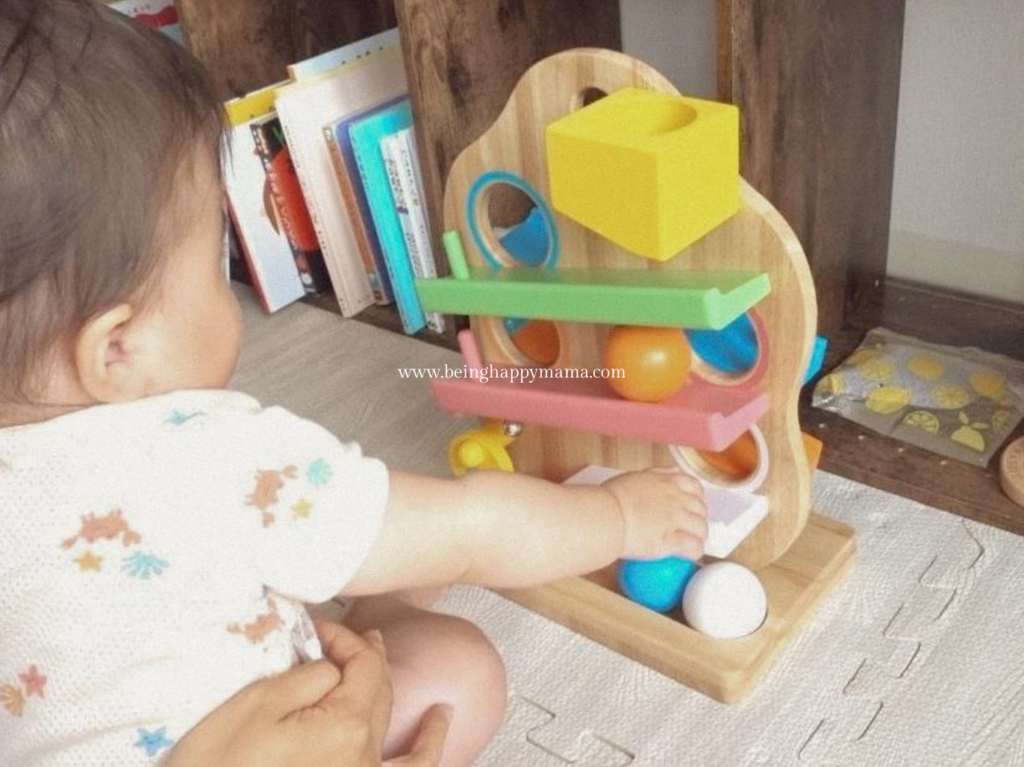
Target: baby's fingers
689,485
694,506
693,519
684,545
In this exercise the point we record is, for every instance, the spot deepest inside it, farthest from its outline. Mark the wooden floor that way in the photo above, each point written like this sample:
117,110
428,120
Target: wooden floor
344,375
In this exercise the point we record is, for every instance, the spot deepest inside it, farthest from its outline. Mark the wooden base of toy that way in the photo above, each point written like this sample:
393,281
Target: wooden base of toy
727,670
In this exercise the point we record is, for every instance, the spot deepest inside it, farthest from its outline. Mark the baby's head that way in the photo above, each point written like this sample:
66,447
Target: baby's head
111,219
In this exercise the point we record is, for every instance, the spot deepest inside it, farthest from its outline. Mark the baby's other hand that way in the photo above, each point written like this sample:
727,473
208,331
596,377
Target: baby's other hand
663,514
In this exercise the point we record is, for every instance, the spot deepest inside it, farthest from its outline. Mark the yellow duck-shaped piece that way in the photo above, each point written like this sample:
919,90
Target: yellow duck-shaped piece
482,448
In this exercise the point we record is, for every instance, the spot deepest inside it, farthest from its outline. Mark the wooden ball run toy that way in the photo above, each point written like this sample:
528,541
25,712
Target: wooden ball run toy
747,260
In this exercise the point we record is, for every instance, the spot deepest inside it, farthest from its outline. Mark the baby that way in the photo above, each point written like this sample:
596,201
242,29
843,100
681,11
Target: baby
158,533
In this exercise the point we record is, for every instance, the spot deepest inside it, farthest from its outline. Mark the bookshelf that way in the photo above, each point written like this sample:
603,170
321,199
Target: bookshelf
457,86
808,144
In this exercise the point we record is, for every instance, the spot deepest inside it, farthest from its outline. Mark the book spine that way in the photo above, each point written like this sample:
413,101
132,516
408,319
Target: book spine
380,296
406,193
296,219
399,273
412,179
389,152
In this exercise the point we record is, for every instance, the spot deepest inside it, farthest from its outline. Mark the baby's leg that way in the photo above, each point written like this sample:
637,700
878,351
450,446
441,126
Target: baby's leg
436,659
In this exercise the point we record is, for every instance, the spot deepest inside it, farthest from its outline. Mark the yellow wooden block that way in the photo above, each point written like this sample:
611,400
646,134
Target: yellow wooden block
652,172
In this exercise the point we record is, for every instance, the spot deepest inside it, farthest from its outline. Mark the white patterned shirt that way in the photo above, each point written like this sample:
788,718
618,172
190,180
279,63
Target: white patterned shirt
153,560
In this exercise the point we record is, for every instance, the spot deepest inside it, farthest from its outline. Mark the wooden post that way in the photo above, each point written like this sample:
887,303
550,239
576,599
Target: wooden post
817,84
247,44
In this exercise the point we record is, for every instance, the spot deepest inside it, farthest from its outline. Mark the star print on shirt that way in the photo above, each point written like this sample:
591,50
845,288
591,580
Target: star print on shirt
319,473
139,565
179,417
301,509
153,742
34,682
88,561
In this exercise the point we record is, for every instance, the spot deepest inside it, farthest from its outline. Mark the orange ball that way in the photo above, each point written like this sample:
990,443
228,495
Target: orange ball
656,362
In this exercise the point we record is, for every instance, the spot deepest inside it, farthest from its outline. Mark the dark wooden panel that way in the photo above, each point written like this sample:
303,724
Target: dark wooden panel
248,43
463,58
818,84
859,454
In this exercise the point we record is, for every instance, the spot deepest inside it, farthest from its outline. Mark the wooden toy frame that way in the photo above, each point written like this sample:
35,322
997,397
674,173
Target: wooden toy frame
797,555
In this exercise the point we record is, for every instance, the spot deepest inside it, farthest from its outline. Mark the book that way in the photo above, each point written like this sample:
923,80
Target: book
288,204
366,136
265,247
349,183
318,65
351,193
358,227
402,163
157,14
304,107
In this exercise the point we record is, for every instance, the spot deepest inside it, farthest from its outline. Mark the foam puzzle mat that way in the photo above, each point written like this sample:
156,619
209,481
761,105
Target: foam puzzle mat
917,659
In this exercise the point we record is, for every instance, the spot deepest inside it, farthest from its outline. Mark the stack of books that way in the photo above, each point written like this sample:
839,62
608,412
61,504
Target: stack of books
324,184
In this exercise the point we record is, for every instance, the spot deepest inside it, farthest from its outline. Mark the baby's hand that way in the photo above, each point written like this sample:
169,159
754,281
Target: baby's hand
663,514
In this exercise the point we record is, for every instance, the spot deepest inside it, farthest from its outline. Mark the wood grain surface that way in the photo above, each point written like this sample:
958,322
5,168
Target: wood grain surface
247,44
757,239
463,59
797,562
817,84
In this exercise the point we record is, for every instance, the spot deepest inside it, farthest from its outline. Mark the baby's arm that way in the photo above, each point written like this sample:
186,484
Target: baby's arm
506,530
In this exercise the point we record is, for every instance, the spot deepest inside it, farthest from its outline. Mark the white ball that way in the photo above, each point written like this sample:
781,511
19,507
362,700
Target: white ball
725,600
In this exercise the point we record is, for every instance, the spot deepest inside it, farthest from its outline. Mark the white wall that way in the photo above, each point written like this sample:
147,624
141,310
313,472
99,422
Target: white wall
958,192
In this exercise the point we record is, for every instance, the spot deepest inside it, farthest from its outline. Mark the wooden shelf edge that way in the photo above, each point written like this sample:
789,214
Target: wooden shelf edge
936,315
726,670
855,453
386,318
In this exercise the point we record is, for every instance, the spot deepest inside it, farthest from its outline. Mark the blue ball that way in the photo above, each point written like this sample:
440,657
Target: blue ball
657,584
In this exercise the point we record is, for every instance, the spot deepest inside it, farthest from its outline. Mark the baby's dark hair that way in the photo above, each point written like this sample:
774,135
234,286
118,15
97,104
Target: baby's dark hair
97,116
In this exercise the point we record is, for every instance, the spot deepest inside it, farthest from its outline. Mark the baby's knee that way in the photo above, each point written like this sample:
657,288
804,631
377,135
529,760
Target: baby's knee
478,692
445,659
484,670
480,682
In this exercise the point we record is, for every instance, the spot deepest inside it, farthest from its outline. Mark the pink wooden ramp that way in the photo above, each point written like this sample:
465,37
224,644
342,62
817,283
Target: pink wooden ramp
702,415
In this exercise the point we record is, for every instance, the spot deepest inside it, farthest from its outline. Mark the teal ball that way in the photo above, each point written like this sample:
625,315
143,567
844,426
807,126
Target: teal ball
657,584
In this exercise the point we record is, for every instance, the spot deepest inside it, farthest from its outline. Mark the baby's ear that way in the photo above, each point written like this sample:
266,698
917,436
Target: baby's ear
106,368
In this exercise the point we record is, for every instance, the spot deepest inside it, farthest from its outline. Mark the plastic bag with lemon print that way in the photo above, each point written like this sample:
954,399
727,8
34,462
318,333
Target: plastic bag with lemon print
958,402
